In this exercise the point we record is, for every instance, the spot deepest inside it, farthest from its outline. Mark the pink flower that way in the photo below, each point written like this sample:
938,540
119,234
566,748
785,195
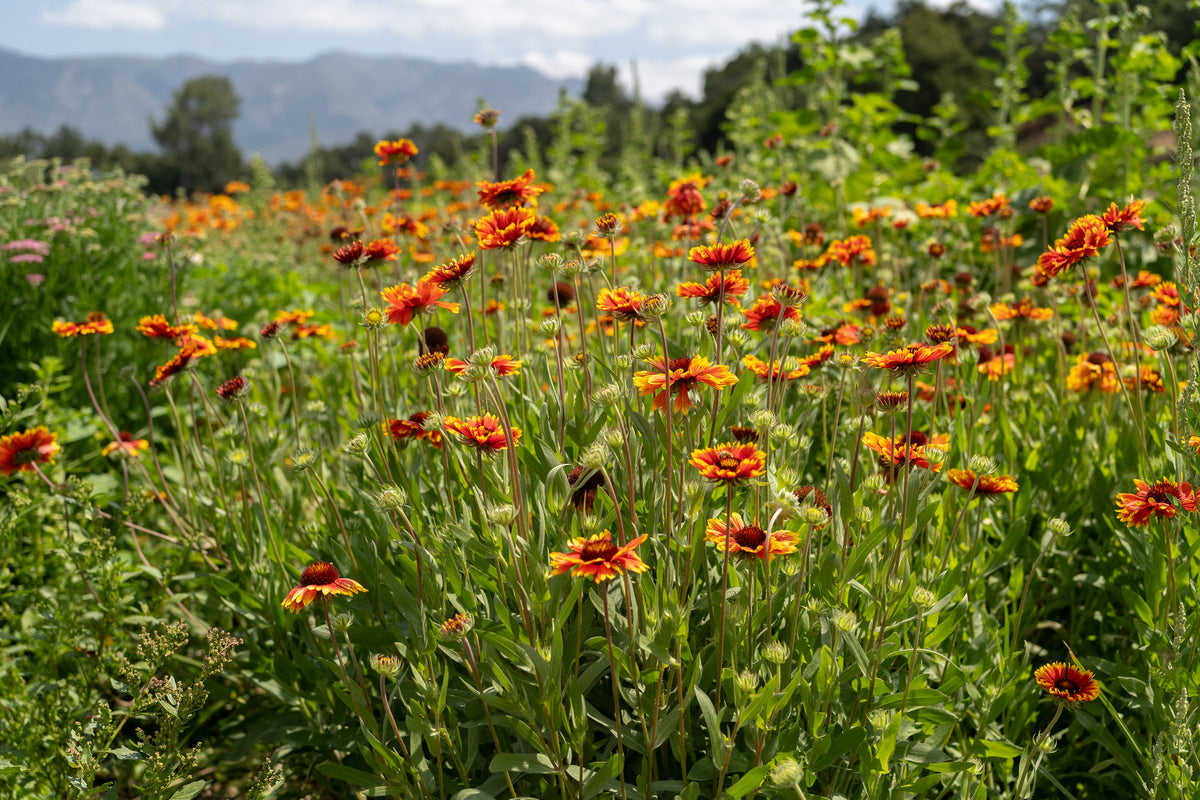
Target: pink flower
27,258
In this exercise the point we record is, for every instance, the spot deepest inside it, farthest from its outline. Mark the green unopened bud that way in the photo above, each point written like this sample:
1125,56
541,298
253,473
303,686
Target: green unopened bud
624,360
762,419
343,622
1059,526
863,514
590,523
550,261
386,665
1158,338
923,597
368,420
643,351
750,190
502,515
792,327
747,681
358,444
570,269
548,326
982,465
785,435
457,627
787,772
391,498
815,516
303,459
595,456
613,437
654,306
607,395
696,318
774,652
788,478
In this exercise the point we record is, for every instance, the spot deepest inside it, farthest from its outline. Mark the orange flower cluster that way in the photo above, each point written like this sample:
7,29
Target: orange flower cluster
1084,239
95,324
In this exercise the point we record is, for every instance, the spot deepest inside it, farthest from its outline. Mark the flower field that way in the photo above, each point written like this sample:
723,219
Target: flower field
814,468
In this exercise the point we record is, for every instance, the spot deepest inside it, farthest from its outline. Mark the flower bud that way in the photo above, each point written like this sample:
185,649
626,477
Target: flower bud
388,666
358,444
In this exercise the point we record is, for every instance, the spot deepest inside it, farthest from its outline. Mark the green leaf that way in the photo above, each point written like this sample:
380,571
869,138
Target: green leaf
189,791
530,763
350,775
887,744
748,782
994,749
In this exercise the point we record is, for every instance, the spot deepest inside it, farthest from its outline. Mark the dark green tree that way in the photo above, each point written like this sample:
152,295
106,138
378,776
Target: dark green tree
196,136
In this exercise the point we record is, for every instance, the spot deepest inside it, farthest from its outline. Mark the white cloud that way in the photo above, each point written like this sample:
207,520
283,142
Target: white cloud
672,40
108,15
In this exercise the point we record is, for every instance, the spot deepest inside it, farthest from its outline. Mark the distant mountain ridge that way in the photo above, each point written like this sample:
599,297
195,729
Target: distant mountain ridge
113,98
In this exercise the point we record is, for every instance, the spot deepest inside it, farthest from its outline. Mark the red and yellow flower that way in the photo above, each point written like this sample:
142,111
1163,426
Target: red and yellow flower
21,450
320,580
622,303
598,558
1160,500
729,463
722,256
748,541
95,324
504,227
1084,239
396,152
761,315
910,358
982,484
483,432
686,374
404,301
126,444
504,194
1067,683
710,291
776,370
413,427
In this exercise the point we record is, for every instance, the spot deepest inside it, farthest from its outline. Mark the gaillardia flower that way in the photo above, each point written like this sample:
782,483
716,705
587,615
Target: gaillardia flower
982,484
598,558
729,463
1067,683
686,373
320,579
1084,239
911,358
96,323
722,256
503,194
126,444
1161,500
484,433
404,301
20,451
504,227
710,291
749,541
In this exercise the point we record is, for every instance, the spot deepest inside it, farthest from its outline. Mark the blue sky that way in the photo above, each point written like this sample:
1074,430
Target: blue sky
671,40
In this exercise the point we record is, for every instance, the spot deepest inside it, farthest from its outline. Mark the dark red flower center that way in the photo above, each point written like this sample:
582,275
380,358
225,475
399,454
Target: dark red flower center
1161,492
750,537
601,550
727,460
683,362
1066,685
320,573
